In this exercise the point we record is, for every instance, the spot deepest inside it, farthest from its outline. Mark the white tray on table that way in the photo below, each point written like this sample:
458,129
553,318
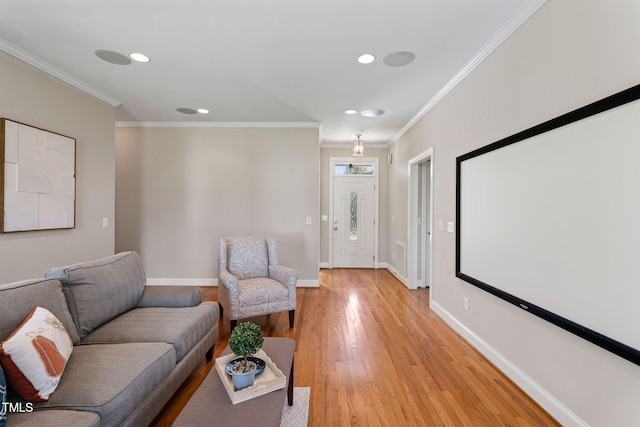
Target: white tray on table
269,380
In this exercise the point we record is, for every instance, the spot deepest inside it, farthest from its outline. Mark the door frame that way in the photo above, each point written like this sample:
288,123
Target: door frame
333,161
415,211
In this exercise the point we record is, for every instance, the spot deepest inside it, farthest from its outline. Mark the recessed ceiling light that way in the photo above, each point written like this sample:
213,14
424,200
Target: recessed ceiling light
399,59
139,57
203,111
112,57
366,58
350,111
184,110
373,112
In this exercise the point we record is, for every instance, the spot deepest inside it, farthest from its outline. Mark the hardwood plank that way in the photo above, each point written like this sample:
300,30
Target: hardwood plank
374,354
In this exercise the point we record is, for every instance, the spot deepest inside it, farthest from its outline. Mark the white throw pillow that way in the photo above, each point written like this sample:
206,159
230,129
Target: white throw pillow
35,355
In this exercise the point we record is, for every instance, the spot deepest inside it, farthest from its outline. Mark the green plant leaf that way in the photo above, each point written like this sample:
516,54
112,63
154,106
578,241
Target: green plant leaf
246,339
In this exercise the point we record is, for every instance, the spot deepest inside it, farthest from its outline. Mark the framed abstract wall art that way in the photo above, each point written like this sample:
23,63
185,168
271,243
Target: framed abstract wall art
37,178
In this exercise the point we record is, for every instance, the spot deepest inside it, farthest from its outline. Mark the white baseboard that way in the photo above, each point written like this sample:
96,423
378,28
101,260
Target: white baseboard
181,282
399,276
328,265
308,283
556,409
303,283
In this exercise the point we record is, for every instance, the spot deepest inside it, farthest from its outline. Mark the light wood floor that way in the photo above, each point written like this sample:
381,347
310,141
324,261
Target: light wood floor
374,354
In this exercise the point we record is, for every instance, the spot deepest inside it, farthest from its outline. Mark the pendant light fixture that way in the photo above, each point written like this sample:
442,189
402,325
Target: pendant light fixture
358,146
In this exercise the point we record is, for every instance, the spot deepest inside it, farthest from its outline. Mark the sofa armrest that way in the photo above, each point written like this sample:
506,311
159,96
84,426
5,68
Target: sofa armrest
170,296
285,275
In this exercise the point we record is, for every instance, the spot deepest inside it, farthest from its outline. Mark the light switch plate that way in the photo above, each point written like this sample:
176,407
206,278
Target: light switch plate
451,227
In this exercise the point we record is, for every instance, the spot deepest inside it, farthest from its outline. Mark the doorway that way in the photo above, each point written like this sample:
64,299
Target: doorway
420,260
353,206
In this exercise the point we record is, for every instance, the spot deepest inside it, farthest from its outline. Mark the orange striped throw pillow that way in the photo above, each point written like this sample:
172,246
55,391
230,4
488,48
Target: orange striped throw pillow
35,355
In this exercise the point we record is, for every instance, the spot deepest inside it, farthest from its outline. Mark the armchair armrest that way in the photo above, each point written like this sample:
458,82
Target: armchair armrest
285,275
170,296
228,292
228,280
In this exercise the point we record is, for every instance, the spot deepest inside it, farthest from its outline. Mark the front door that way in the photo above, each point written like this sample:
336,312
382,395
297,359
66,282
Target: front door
353,221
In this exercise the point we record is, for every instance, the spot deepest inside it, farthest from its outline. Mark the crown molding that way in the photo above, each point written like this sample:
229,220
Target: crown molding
349,145
44,66
509,28
125,124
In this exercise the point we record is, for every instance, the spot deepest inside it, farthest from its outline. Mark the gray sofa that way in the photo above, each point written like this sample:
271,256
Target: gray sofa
134,345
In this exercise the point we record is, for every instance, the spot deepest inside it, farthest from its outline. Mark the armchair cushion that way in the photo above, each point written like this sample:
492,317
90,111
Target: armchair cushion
248,258
262,291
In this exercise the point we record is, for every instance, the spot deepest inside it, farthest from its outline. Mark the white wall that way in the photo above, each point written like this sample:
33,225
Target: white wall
180,189
570,53
29,96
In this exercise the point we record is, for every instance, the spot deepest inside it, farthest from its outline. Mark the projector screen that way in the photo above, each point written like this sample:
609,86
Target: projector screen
549,220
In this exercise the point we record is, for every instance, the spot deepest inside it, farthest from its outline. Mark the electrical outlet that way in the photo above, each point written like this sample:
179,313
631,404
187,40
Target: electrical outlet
466,304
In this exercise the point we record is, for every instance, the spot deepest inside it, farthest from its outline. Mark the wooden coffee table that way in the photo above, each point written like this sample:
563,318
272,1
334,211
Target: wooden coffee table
210,404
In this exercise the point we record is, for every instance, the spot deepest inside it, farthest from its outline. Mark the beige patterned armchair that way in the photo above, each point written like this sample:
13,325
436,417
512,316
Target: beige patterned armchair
250,281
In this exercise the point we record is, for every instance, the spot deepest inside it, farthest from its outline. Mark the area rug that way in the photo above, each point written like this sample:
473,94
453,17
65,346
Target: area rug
297,415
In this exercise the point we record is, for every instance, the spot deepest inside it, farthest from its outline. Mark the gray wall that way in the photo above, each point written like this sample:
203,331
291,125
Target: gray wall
178,190
570,53
29,96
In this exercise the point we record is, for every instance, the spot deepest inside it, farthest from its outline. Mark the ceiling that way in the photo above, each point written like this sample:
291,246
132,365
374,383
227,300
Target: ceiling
263,62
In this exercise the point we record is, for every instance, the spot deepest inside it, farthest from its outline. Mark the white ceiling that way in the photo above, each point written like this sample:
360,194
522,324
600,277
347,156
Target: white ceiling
290,62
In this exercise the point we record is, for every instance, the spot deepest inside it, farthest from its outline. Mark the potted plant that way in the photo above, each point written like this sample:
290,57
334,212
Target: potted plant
246,339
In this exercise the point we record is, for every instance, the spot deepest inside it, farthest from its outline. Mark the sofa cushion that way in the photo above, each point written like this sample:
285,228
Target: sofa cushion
19,298
35,355
182,327
112,379
97,291
52,418
248,257
170,296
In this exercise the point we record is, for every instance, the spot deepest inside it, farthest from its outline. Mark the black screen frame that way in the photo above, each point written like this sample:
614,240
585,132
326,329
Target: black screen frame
620,349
